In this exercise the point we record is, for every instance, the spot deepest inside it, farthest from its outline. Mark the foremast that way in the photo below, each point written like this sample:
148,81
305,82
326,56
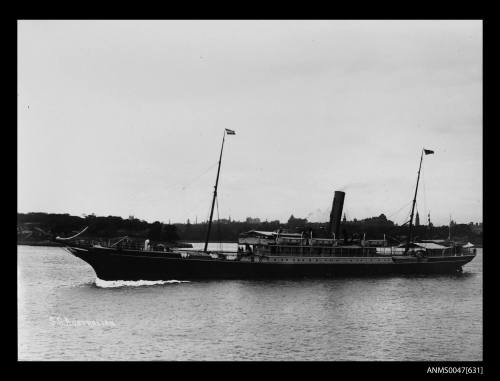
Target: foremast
229,132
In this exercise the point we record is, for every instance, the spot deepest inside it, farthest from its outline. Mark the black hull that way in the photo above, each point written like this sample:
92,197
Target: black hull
111,265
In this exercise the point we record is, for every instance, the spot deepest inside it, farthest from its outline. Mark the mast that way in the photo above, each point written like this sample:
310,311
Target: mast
427,152
229,132
414,201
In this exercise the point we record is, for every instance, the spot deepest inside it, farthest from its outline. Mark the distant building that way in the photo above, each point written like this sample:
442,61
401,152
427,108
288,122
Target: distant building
296,222
251,220
477,228
380,220
417,220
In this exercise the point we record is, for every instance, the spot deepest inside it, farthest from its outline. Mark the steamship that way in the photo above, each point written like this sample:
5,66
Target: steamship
264,254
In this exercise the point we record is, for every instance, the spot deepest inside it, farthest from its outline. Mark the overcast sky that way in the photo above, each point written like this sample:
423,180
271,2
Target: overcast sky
127,117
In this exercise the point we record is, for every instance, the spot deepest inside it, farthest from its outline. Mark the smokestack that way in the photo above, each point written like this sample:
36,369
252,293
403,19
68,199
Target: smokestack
336,213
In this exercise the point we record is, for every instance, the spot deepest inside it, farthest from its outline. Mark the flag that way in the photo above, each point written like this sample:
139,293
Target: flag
428,151
230,132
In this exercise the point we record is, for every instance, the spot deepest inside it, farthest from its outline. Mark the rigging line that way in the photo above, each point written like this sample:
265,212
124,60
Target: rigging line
197,177
189,182
194,206
406,219
218,223
400,209
415,218
182,186
425,193
403,221
207,217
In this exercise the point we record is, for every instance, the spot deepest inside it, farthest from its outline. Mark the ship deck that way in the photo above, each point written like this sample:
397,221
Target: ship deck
113,264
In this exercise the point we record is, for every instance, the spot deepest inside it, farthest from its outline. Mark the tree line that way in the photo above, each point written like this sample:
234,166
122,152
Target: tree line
45,225
41,225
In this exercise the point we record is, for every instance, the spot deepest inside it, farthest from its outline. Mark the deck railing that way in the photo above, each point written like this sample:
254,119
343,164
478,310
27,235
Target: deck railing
281,250
311,251
140,246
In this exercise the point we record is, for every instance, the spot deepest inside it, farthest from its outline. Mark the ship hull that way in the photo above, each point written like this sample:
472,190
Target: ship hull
110,264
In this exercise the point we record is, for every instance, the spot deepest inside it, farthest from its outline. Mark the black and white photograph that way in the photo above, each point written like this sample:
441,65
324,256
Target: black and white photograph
250,190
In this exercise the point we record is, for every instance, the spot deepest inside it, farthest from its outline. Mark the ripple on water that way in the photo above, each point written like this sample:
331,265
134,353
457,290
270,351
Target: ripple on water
380,318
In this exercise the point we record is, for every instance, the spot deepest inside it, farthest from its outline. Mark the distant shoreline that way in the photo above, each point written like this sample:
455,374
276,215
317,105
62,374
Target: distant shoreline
195,241
39,243
57,244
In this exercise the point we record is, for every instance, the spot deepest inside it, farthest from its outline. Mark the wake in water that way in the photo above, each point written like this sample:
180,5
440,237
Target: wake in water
134,283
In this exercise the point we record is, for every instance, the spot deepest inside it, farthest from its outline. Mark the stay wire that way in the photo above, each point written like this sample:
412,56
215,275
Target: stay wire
218,223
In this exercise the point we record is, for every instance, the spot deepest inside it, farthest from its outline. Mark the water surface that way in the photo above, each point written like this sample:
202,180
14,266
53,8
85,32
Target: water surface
63,314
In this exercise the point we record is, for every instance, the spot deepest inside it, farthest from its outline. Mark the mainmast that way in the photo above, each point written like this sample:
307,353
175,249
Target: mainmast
229,132
427,152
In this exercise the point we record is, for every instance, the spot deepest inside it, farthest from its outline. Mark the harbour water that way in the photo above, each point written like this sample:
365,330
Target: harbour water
65,314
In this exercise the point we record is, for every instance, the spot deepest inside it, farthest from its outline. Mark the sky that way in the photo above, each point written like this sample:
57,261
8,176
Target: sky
127,118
